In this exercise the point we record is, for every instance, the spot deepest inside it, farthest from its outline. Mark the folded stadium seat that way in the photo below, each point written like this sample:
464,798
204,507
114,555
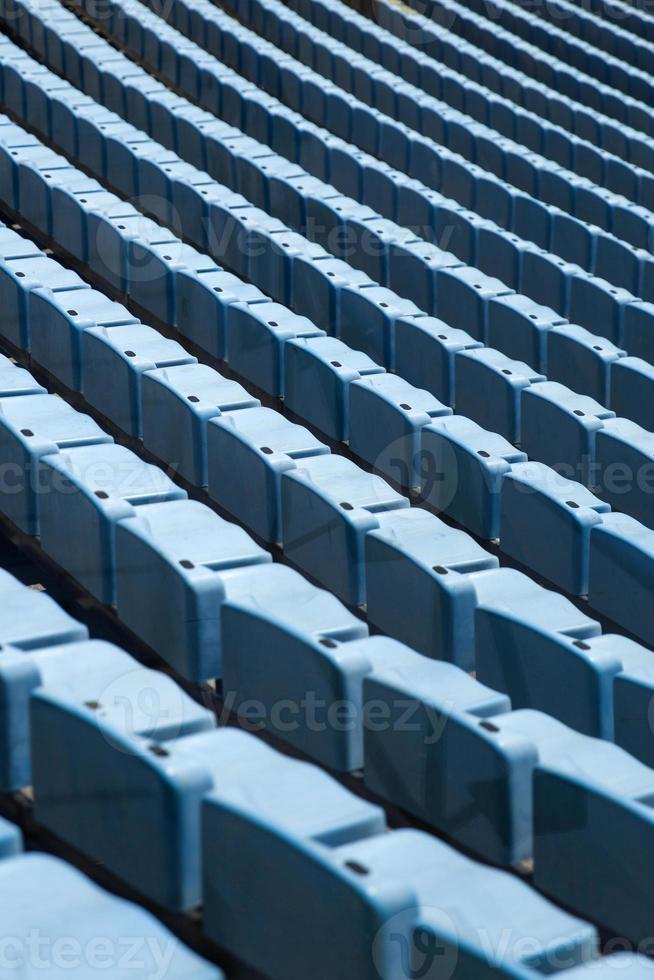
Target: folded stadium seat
625,474
86,490
115,361
463,297
559,428
387,416
638,331
425,354
112,231
489,388
57,322
31,427
632,388
521,328
151,272
256,342
124,749
177,551
368,317
16,380
546,522
288,646
87,929
319,373
259,445
527,638
187,396
464,469
20,277
203,302
580,359
418,585
621,555
596,301
318,286
328,505
99,672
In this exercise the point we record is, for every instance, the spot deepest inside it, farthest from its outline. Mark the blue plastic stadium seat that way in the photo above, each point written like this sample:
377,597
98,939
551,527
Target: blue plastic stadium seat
203,302
632,390
256,339
297,652
16,380
387,416
413,269
33,426
151,272
463,297
319,373
520,328
124,802
621,573
559,428
625,472
446,699
115,360
259,445
86,490
367,320
546,522
173,554
638,336
110,674
18,279
489,388
425,354
582,360
30,619
418,588
57,322
573,857
464,466
329,504
186,396
537,647
92,925
318,285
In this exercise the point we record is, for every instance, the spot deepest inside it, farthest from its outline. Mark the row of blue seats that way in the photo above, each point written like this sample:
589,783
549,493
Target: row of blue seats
384,550
533,729
630,17
352,32
86,932
449,446
557,426
611,71
584,24
592,301
123,763
485,30
131,771
370,99
320,286
475,63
